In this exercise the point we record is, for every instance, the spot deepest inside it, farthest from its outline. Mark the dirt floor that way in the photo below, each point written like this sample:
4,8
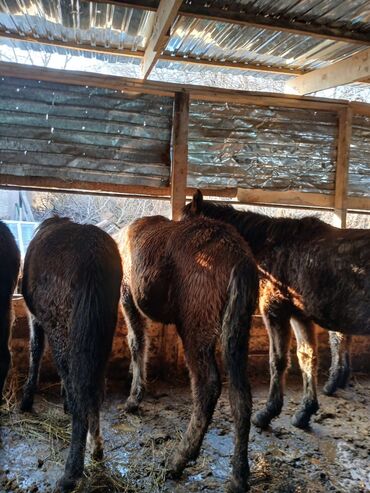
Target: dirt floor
334,455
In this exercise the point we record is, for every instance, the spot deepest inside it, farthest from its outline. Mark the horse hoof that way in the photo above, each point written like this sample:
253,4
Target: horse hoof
26,405
65,485
234,486
261,420
98,454
176,467
66,408
173,473
131,406
301,420
329,389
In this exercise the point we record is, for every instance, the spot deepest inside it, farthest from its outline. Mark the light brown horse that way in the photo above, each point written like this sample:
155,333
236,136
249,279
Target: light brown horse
199,275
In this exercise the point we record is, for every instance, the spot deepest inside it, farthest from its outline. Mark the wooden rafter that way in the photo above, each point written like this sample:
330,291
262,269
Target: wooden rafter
164,18
140,54
351,69
246,18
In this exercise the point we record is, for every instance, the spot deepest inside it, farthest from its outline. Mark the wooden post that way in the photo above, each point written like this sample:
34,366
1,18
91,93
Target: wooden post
179,168
341,175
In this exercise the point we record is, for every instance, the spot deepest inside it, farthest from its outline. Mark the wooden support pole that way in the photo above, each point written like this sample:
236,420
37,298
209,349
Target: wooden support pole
341,175
179,168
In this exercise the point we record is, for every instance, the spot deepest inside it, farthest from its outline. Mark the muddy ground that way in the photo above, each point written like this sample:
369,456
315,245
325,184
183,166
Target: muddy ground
333,456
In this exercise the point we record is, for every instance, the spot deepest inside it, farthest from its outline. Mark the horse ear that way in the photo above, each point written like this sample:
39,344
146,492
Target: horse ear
197,202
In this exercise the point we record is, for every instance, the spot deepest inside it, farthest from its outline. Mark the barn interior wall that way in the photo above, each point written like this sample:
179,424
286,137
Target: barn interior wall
359,159
272,148
84,133
166,355
72,136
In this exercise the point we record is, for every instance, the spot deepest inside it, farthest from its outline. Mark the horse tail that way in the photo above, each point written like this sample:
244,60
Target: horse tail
93,322
242,294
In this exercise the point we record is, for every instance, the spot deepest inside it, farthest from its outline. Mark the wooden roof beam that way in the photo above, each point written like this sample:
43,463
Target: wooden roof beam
164,18
200,10
351,69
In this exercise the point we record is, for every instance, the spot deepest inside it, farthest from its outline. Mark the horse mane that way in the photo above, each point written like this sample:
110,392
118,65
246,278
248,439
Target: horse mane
258,228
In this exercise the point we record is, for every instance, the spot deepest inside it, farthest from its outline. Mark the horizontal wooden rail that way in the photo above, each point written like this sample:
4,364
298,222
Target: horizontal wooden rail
128,85
298,199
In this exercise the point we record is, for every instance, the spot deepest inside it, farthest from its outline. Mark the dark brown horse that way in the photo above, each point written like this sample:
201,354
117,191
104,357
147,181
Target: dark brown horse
71,284
9,270
200,275
309,272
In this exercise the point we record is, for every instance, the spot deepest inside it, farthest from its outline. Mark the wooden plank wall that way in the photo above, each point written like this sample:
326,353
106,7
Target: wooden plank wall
68,169
81,133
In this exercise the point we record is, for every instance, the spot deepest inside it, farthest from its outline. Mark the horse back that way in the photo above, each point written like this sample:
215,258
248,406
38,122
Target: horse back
331,274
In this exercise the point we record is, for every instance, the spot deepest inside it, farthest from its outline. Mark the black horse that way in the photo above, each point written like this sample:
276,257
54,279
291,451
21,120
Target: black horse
9,270
309,272
71,284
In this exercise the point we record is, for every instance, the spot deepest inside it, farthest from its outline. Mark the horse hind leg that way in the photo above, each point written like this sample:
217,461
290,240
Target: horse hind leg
37,343
340,368
276,321
206,388
75,461
307,357
136,328
5,357
94,438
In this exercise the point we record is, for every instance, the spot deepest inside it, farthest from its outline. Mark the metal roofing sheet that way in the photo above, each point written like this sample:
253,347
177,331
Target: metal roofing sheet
222,41
353,14
111,26
95,24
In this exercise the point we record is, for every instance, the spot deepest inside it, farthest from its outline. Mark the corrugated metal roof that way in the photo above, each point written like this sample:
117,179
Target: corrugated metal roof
119,28
222,41
90,23
352,15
